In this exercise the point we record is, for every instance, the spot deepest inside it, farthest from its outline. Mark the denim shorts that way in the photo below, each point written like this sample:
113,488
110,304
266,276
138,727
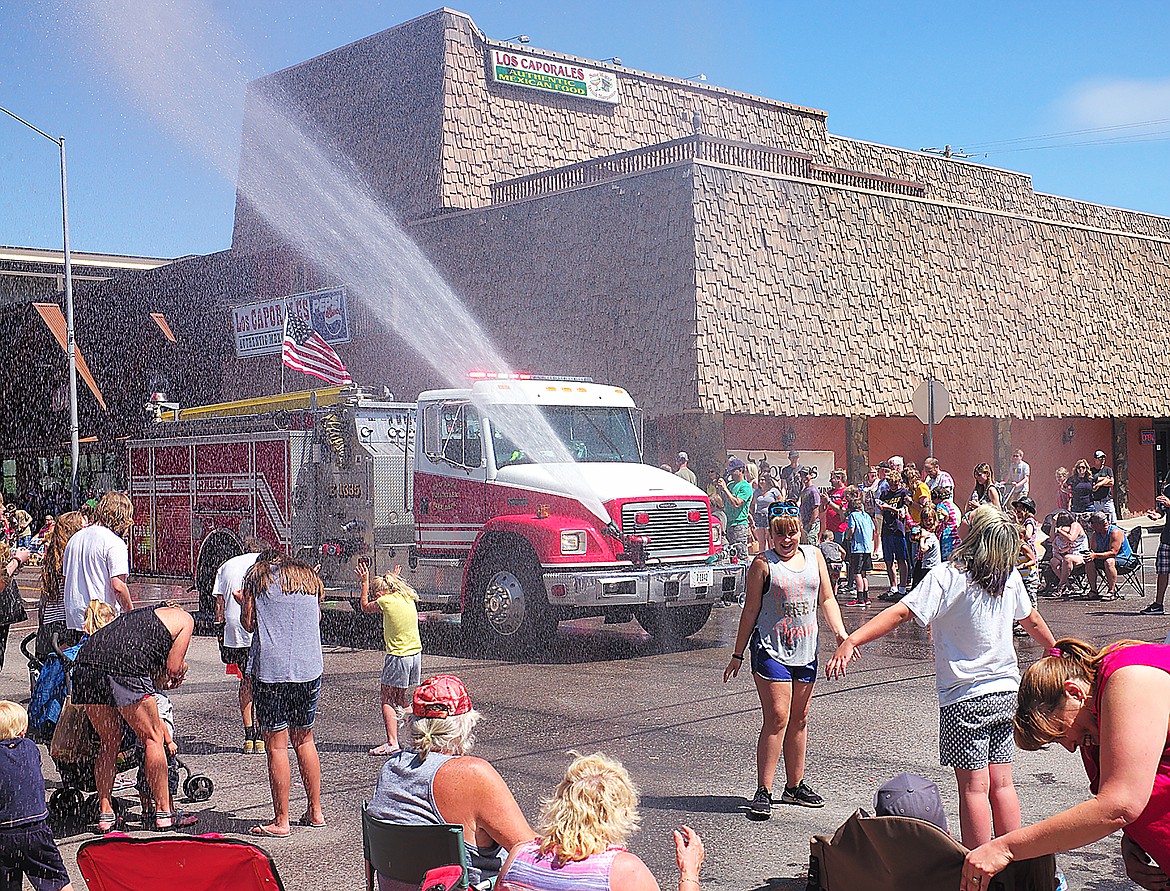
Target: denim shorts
894,548
94,686
284,705
402,671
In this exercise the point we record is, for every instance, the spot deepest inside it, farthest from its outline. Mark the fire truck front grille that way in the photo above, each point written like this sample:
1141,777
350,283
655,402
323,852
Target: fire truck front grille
671,534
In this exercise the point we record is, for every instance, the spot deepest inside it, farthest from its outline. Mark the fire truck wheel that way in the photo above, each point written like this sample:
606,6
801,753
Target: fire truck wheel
672,623
508,612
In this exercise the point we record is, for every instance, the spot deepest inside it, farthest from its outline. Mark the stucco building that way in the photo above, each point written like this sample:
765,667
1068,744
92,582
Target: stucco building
756,282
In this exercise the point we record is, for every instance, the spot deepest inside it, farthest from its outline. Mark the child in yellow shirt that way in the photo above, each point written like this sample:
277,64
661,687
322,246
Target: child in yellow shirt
395,600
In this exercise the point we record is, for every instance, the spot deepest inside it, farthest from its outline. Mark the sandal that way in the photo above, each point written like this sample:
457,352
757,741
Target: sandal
107,823
266,832
384,750
179,819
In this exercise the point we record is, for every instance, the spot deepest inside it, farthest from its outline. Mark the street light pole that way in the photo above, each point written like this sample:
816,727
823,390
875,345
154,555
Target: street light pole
70,339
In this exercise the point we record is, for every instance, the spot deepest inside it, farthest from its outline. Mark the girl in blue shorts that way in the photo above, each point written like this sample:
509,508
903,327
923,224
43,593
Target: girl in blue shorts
785,586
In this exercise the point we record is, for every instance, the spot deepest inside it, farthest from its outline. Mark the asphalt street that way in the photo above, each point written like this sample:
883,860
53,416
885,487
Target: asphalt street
687,739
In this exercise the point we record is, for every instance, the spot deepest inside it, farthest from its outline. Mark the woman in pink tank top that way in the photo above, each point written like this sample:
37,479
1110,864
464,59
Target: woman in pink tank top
584,827
1114,706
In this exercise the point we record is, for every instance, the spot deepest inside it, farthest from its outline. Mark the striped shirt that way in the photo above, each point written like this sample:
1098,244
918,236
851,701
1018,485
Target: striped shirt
533,871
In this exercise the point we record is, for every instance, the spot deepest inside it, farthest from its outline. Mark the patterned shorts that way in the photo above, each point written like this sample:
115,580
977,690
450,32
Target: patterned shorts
1162,561
975,732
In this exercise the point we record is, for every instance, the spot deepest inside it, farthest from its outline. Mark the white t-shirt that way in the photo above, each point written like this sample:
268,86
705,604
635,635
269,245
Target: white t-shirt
1020,476
93,557
228,581
973,650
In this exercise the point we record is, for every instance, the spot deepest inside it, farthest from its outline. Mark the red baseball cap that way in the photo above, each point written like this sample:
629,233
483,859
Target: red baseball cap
441,697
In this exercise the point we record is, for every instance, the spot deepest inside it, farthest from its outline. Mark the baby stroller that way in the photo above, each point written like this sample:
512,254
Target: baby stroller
74,802
893,853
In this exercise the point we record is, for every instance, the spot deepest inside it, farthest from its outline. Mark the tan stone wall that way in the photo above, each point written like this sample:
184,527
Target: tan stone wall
377,101
493,132
794,279
596,282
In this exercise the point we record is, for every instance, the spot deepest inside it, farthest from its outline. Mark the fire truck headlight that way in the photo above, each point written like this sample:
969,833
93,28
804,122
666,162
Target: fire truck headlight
573,542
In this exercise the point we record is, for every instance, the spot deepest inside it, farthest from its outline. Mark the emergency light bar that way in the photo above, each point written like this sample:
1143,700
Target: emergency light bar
478,375
499,375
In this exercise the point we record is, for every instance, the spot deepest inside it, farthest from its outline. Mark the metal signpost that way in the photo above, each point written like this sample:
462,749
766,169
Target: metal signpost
932,403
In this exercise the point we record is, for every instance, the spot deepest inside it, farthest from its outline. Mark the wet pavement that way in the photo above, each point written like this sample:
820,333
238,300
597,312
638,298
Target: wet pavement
687,739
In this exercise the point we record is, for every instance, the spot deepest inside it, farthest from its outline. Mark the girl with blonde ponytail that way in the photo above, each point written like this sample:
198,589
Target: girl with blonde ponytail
1114,706
402,669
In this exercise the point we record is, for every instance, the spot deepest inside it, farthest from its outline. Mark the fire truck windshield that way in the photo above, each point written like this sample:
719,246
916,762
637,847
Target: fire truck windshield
590,433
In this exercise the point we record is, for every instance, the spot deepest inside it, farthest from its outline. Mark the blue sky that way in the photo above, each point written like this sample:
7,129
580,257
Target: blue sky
909,74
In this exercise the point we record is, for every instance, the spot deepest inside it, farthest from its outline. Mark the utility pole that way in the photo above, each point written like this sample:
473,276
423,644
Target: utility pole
70,338
947,152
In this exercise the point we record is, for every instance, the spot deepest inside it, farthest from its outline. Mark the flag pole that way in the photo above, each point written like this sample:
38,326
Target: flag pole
283,335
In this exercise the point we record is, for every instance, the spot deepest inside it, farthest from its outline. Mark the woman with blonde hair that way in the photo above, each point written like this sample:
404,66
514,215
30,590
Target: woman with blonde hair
785,586
1114,705
971,604
584,827
437,781
1080,487
51,616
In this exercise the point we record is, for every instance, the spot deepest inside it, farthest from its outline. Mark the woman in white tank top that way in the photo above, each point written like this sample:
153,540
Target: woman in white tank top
785,586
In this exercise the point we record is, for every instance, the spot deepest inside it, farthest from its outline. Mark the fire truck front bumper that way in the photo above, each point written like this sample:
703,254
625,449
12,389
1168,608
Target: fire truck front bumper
685,586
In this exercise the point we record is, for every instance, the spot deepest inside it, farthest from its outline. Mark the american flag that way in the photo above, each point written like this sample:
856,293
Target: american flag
305,350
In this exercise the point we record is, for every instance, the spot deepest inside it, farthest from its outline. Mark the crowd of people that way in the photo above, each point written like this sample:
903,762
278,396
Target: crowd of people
912,519
968,574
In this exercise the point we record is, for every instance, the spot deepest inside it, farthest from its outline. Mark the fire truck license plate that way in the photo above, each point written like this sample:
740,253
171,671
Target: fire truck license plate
701,578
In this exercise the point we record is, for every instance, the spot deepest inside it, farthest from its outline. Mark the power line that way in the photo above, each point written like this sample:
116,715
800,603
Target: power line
1065,134
1157,136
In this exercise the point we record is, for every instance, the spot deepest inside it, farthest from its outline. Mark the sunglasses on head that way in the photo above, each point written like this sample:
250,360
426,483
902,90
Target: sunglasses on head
783,509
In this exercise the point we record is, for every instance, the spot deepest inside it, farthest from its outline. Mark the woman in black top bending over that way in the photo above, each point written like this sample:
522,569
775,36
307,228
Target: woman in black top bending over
117,671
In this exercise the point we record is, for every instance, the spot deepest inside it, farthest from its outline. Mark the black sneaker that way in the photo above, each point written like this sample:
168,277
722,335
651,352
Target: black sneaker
1154,609
761,806
802,795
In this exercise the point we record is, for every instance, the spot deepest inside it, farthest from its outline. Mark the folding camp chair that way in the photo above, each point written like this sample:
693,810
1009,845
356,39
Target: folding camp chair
1133,576
403,853
896,853
177,863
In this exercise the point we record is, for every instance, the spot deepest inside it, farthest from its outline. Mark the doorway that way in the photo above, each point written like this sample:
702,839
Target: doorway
1161,453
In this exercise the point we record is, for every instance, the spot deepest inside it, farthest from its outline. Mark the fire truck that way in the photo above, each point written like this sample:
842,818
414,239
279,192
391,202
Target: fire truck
461,493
